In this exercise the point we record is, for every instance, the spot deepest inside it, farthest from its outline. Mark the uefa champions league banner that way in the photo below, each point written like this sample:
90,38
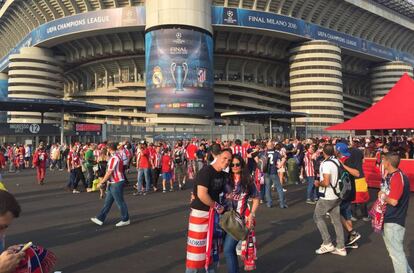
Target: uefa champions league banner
300,28
179,72
84,22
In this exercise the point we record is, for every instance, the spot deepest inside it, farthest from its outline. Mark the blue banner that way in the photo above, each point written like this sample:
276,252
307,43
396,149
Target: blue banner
3,96
135,16
84,22
3,89
298,27
179,72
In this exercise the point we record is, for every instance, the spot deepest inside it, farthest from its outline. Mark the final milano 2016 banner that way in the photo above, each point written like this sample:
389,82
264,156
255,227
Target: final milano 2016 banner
179,72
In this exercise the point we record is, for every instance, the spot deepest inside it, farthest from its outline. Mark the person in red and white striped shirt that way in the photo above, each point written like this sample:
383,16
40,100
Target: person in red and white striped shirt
238,149
115,189
308,161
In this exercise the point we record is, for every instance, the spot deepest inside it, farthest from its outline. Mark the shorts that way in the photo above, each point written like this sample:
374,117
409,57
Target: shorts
281,170
345,209
27,158
166,176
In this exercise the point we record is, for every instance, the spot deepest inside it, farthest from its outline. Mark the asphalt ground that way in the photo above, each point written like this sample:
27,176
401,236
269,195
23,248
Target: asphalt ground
155,241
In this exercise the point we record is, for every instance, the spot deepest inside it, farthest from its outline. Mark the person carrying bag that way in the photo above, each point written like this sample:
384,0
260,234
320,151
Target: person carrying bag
238,221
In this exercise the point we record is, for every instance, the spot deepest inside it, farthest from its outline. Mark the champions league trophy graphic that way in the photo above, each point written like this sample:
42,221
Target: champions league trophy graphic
179,75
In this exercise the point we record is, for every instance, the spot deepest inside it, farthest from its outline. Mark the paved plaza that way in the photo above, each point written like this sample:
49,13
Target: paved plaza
156,239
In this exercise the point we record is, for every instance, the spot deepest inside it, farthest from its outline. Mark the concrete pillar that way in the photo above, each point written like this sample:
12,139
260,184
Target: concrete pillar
316,83
184,27
35,73
384,77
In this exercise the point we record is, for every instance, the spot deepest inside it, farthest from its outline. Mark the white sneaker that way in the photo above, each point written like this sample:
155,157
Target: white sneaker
97,221
122,223
340,252
325,249
75,191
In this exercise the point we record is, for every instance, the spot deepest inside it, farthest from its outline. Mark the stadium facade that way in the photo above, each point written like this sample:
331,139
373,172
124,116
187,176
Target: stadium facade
163,65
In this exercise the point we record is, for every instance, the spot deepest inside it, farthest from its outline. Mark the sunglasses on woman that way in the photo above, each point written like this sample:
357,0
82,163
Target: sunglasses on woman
235,165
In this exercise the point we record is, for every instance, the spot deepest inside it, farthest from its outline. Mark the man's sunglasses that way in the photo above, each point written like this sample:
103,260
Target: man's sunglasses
235,165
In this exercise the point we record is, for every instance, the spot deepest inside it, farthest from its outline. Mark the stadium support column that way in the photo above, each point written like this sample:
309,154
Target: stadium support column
4,83
384,76
316,84
35,73
179,59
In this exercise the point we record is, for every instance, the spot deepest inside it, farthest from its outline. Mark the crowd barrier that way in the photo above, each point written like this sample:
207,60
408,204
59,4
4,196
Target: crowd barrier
373,176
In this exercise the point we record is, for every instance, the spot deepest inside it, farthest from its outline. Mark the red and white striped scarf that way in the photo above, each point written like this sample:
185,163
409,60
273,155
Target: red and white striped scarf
200,239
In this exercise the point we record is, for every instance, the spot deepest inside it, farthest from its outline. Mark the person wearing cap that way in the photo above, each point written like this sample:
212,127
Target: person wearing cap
350,165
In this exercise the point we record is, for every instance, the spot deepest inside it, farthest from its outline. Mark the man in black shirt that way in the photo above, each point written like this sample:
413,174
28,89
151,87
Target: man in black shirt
208,187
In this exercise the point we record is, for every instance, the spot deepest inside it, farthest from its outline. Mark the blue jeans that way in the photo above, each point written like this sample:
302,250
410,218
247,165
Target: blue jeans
114,192
262,192
393,235
229,249
271,179
311,190
141,174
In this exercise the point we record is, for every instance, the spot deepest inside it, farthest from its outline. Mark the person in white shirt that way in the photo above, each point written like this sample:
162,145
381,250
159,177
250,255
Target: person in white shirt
329,203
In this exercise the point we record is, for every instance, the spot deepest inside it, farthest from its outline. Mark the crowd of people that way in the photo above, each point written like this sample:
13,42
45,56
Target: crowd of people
237,176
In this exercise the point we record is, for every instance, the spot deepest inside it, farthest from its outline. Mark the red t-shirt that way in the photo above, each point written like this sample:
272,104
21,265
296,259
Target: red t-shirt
396,187
191,150
166,164
143,159
41,158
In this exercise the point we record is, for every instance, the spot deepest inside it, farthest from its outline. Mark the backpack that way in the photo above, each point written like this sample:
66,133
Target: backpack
344,182
178,156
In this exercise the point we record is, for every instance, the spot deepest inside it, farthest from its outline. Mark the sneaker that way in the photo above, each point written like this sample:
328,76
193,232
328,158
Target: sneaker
353,246
97,221
164,191
309,201
284,190
75,191
171,190
366,219
122,223
353,219
353,237
137,193
261,201
325,249
144,193
340,252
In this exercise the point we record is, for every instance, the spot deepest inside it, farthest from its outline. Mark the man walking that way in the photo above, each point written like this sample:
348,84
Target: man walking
115,189
90,161
395,192
329,203
39,161
271,177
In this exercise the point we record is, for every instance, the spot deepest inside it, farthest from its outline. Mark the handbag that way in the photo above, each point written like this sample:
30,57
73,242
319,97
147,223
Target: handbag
232,223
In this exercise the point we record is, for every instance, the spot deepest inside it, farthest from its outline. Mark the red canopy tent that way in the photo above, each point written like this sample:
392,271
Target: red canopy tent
394,111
